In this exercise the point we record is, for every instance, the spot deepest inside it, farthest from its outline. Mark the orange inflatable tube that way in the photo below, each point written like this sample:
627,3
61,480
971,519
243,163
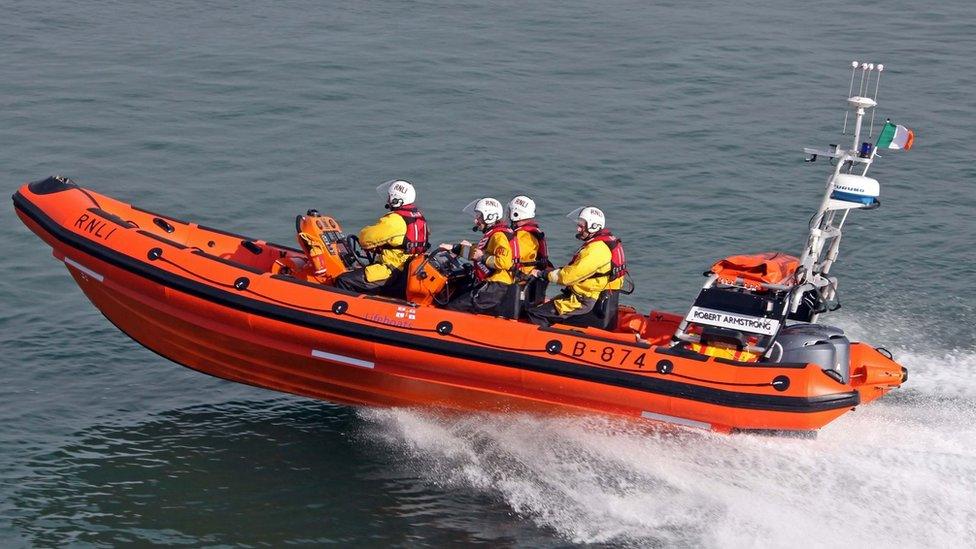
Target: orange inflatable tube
219,302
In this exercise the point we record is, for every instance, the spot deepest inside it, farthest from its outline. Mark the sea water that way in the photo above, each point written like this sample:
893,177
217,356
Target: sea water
684,121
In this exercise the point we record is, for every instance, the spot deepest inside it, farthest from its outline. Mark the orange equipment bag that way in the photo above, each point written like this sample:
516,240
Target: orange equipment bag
630,321
768,267
424,281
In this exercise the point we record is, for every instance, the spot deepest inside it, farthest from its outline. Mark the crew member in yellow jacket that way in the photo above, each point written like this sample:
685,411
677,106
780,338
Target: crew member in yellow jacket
393,239
533,251
491,290
597,266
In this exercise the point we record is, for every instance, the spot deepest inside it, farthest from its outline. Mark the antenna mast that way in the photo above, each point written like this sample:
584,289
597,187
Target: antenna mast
848,188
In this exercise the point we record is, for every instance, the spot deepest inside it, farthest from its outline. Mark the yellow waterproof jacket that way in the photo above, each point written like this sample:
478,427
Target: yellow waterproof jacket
498,259
385,236
587,275
528,245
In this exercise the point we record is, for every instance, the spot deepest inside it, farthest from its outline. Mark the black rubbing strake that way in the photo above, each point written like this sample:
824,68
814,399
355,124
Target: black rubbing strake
162,239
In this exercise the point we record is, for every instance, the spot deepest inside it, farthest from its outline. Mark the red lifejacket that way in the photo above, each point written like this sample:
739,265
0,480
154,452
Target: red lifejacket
542,256
481,270
417,239
618,261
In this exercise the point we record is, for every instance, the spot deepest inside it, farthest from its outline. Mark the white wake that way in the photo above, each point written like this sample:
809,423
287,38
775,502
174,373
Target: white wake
898,472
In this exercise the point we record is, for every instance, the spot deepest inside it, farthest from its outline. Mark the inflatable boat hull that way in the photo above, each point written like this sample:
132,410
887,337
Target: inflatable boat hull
204,298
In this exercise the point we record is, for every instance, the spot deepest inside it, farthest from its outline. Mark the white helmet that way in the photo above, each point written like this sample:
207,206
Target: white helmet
521,208
398,193
487,210
591,216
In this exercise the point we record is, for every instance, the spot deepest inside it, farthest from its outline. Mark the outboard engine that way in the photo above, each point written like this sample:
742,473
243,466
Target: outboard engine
826,346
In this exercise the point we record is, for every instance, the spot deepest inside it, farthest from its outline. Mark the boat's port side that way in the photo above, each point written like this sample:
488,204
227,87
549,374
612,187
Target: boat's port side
103,215
425,356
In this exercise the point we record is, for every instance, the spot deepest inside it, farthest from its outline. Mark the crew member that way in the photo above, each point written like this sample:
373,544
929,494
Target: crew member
493,260
393,239
598,265
533,252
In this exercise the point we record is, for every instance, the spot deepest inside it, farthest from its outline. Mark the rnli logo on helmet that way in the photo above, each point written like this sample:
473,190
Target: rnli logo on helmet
400,188
521,202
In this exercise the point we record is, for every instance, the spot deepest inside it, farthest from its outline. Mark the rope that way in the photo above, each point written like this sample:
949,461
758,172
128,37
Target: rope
269,298
185,270
619,369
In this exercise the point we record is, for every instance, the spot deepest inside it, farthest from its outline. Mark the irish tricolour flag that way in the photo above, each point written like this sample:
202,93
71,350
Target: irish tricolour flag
895,137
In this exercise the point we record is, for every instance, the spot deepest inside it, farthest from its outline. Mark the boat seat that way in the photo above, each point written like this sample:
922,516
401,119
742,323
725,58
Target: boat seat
534,292
511,306
603,315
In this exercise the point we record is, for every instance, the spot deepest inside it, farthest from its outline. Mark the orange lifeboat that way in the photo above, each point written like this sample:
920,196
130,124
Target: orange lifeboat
260,313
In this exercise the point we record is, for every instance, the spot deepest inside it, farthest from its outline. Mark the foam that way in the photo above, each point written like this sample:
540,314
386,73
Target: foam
898,472
933,371
878,476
